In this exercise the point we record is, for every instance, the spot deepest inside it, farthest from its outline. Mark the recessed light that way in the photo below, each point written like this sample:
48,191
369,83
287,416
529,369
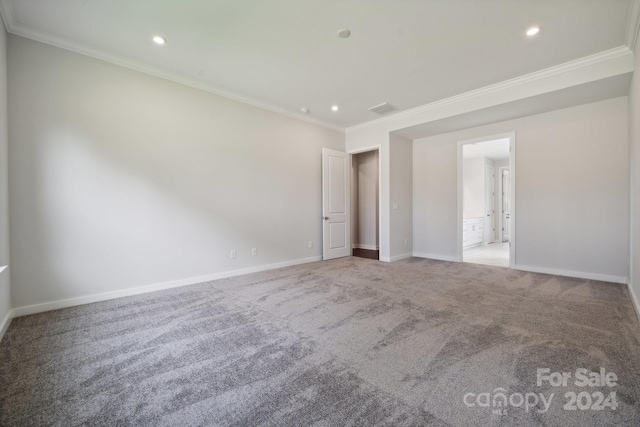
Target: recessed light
344,33
159,40
305,110
533,31
334,108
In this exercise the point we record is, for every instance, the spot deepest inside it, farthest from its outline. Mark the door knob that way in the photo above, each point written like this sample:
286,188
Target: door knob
325,218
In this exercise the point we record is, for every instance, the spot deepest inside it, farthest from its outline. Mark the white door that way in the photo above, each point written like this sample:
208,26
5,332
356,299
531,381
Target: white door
489,203
336,232
506,204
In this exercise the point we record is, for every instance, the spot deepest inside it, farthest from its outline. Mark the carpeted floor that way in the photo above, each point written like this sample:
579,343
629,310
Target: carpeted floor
344,342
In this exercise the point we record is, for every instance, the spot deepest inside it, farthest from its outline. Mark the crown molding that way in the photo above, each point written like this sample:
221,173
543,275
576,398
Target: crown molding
504,85
14,27
633,25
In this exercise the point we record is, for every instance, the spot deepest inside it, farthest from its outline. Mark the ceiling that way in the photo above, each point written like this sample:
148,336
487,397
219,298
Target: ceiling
285,54
585,93
493,150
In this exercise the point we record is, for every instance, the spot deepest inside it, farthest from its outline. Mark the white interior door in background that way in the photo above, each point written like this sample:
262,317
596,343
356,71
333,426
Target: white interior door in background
336,230
506,204
489,203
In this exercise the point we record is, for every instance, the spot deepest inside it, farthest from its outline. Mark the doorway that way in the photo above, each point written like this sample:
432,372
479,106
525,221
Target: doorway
485,200
365,204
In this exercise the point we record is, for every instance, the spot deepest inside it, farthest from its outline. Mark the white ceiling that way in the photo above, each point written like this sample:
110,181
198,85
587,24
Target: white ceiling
494,150
285,54
585,93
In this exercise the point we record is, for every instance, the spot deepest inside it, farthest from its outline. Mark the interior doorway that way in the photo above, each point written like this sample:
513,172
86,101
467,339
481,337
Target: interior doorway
365,204
485,200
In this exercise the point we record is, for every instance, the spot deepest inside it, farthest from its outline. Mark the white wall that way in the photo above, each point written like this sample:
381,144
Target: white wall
120,179
634,161
401,197
5,289
572,190
564,76
473,187
366,194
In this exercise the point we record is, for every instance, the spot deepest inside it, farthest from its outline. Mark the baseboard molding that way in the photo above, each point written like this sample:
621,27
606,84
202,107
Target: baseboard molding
436,257
5,324
55,305
569,273
401,256
634,300
367,247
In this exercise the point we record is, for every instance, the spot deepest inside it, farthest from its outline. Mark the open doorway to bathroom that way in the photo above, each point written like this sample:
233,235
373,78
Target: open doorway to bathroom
487,214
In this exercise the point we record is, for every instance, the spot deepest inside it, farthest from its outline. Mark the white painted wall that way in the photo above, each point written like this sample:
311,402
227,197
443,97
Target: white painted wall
401,196
5,289
572,190
378,132
366,194
121,180
473,187
634,161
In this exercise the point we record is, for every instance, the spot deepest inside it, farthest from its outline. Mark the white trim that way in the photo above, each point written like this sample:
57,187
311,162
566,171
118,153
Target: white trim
500,233
5,323
634,300
396,258
364,149
512,173
569,273
437,257
14,27
512,200
633,25
401,256
554,71
7,319
367,247
55,305
377,148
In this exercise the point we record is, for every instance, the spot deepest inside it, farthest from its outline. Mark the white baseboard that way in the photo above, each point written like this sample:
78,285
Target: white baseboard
5,323
437,257
395,258
55,305
401,256
634,299
367,247
569,273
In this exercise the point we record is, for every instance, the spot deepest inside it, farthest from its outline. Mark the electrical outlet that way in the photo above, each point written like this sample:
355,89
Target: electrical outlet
310,244
232,254
254,251
406,242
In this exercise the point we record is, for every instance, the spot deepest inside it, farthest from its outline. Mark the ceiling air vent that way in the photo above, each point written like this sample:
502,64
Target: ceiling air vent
383,108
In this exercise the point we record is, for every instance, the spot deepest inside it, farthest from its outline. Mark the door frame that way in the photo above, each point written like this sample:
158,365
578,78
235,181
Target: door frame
501,168
512,167
492,235
351,153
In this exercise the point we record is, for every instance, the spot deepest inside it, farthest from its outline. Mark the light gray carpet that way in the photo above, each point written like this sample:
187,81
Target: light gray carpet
344,342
